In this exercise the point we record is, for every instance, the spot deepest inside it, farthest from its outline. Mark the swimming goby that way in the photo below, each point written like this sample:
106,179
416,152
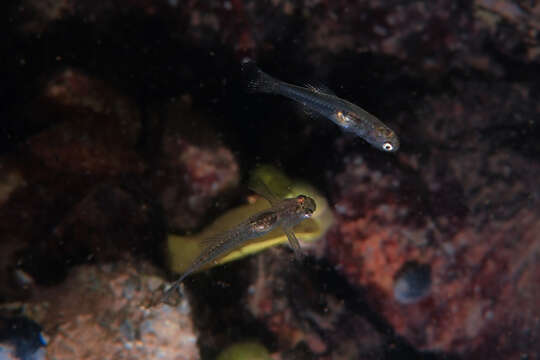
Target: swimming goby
283,214
347,115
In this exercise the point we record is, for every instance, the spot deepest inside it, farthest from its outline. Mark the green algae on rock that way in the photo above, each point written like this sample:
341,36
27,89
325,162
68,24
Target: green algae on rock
245,351
182,250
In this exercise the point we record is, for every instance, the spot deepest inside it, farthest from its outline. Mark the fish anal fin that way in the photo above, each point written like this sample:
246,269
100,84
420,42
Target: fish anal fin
308,112
175,288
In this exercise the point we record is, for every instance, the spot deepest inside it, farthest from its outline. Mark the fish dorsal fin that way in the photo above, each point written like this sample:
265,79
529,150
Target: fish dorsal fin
320,89
258,186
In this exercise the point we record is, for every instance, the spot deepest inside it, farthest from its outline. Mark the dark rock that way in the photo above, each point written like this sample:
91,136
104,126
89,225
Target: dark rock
471,222
21,338
195,171
94,131
99,312
306,315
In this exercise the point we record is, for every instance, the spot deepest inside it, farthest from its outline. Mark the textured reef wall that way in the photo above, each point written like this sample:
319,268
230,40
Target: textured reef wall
125,121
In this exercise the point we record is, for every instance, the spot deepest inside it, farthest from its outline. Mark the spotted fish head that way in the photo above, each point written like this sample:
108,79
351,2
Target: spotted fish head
305,206
369,128
385,139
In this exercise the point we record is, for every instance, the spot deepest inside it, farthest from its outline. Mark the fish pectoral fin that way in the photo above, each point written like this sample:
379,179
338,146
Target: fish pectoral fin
308,112
293,242
258,186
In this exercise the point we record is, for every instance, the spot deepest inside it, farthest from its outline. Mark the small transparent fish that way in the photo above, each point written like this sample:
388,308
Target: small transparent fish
347,115
284,214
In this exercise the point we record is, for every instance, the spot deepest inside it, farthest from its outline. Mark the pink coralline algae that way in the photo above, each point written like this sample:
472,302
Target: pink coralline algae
473,223
110,319
195,169
300,313
429,35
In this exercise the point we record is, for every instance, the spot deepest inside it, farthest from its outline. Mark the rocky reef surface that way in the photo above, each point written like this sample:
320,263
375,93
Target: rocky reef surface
127,121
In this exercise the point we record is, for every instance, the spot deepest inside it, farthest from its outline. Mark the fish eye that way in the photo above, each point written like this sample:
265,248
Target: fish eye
387,146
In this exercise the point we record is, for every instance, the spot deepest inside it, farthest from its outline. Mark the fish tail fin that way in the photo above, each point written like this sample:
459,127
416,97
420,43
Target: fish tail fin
258,80
175,287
